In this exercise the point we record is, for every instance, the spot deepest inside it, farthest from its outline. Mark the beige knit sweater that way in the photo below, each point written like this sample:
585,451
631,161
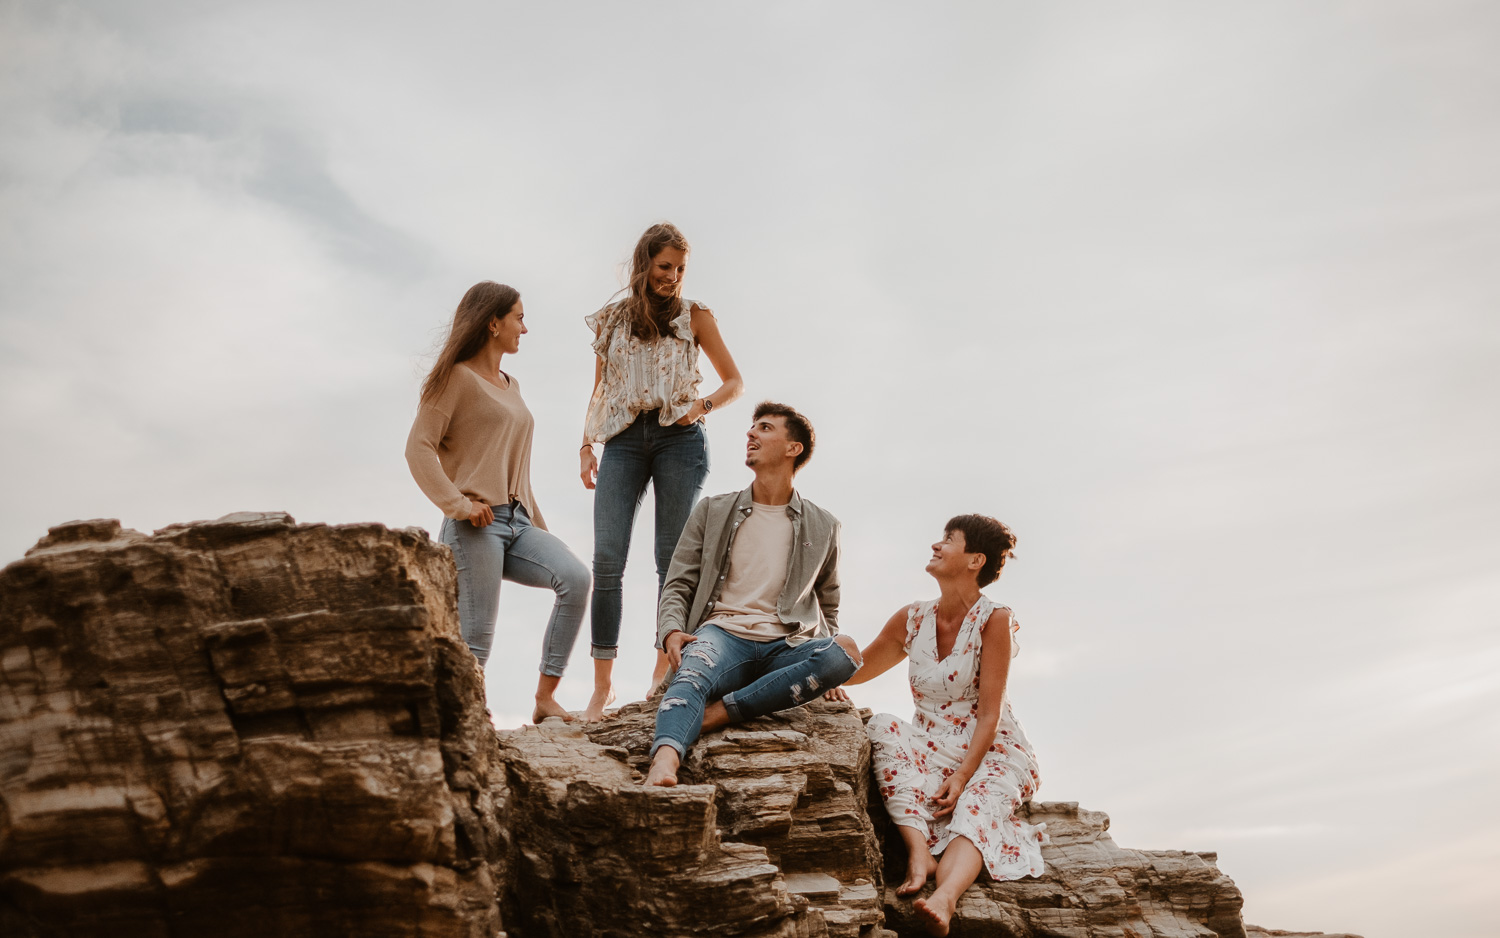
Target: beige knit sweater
473,443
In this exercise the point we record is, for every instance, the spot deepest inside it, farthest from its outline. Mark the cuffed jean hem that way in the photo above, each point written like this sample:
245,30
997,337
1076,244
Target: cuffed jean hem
672,744
604,652
732,708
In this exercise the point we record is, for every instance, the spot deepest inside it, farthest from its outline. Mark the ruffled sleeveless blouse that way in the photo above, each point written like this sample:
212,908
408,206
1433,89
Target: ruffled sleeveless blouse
641,375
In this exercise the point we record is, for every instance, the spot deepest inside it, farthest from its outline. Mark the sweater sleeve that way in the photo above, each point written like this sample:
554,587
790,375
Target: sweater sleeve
422,458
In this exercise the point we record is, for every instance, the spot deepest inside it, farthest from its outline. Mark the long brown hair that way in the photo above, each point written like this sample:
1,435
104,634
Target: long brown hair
485,301
650,315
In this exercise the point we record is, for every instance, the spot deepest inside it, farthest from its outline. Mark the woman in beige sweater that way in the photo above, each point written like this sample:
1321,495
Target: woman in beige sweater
470,452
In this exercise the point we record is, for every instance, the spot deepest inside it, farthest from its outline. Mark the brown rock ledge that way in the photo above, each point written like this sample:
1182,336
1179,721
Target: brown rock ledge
250,727
243,727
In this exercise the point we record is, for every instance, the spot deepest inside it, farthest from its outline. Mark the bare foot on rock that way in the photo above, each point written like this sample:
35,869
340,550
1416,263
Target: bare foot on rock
603,697
547,707
934,914
663,772
918,869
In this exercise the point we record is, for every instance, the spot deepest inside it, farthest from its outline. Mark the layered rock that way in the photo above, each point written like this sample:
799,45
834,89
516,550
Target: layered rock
243,727
1255,931
1092,889
767,834
250,727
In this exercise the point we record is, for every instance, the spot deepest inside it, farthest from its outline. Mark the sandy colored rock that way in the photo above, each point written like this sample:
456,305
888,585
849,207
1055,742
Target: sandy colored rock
767,833
243,727
1092,889
1255,931
249,727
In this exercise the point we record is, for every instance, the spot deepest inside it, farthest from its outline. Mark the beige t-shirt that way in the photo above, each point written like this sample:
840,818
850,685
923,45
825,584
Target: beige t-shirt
757,573
473,442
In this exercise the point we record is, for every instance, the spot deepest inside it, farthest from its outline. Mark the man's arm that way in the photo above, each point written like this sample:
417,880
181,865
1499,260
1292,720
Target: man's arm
827,583
682,575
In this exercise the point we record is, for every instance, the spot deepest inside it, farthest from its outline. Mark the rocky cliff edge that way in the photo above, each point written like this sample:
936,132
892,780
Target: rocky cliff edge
248,727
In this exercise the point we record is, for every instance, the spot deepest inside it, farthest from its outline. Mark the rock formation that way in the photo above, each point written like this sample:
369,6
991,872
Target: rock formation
1091,888
244,727
1255,931
252,727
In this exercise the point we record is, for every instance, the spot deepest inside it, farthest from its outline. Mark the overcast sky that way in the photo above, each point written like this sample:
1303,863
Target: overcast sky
1200,298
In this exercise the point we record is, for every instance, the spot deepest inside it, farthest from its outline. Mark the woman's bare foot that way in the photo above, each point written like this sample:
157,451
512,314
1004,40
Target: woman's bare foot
663,772
918,869
935,913
603,697
547,707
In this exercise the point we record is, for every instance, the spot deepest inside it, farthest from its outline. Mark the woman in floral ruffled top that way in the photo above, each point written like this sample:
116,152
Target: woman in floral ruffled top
955,777
646,411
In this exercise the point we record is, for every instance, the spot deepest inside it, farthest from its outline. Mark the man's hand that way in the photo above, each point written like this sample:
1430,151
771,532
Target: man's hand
672,645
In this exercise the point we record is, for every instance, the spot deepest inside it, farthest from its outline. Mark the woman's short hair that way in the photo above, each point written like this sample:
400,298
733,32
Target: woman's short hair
798,427
985,535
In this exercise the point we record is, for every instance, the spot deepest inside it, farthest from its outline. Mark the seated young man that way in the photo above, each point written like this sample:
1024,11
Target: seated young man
749,612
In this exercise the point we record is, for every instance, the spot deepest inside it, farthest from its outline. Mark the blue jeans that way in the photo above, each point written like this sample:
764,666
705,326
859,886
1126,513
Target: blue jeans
512,548
751,678
674,459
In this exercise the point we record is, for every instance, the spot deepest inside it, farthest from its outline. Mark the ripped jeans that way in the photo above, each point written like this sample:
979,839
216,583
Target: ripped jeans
752,679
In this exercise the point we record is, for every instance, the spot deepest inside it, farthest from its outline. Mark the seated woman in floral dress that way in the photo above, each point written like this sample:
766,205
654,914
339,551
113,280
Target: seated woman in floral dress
955,776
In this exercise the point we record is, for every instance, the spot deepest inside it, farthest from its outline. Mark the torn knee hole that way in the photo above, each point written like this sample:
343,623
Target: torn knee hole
698,651
669,702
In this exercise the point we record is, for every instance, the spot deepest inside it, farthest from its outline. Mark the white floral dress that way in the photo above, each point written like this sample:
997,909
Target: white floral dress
912,759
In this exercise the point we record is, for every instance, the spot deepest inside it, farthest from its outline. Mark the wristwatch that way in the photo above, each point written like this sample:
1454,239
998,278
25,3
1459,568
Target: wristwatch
708,405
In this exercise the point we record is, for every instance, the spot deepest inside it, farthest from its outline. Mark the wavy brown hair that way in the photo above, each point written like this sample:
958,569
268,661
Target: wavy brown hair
485,301
650,315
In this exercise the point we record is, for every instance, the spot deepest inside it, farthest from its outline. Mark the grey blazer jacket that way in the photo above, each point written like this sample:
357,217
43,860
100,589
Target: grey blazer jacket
809,600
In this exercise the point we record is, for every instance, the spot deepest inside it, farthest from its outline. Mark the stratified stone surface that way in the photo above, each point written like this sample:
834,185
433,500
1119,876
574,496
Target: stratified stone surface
1255,931
1092,889
767,834
243,728
249,727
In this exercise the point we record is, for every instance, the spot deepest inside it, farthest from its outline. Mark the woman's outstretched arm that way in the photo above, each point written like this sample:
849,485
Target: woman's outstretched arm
884,653
994,669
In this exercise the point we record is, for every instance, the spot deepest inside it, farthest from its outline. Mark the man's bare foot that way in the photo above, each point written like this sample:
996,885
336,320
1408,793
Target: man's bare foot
918,869
934,913
547,707
663,772
603,697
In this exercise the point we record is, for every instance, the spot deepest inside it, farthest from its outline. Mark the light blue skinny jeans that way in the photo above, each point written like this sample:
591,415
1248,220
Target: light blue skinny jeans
512,548
751,678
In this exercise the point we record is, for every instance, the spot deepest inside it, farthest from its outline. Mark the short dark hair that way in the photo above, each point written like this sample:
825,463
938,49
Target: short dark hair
985,535
798,427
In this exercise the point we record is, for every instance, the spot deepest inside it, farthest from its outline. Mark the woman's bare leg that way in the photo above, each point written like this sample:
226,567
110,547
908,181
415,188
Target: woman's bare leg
919,862
956,872
658,673
546,704
604,690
